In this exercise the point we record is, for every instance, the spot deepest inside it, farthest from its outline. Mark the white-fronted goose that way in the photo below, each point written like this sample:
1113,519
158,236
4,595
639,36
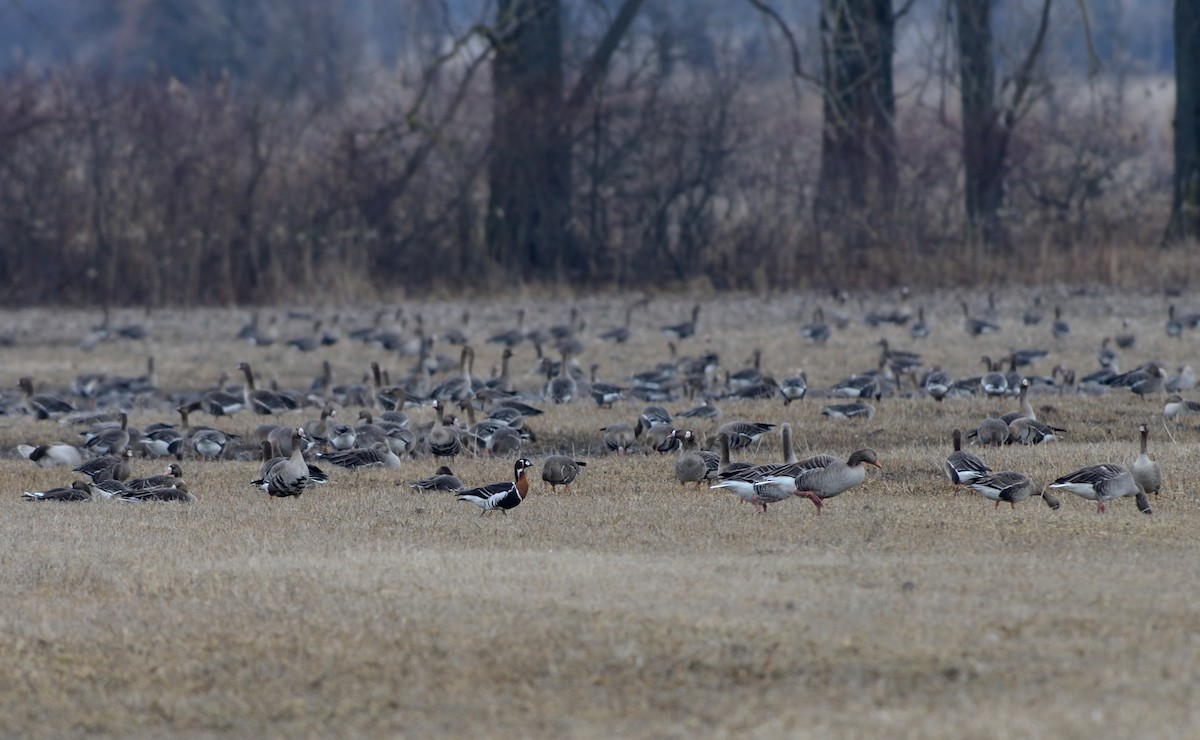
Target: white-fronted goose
991,432
619,437
378,455
502,496
726,468
1028,431
604,394
107,440
443,481
1146,472
993,382
684,329
744,433
937,383
289,477
502,383
1060,328
651,417
1176,406
747,376
689,466
706,410
443,442
620,334
920,329
1102,483
170,477
859,410
54,455
511,337
263,401
816,331
105,467
661,438
1026,410
1184,380
977,327
765,491
1010,486
1174,326
794,387
77,491
43,405
819,484
562,388
560,470
177,492
962,466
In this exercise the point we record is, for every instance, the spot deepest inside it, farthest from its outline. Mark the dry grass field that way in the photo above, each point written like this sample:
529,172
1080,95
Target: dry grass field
626,607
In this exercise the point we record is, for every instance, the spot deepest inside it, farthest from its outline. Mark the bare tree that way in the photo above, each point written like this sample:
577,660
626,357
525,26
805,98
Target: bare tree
1185,201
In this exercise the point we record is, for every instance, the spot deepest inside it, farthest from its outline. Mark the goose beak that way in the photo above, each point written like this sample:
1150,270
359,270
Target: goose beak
878,464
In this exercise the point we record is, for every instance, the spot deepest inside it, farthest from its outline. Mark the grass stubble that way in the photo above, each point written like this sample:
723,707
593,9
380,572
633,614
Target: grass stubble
626,607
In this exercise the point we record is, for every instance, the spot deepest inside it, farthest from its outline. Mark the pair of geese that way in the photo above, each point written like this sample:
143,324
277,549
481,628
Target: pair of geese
816,478
1100,483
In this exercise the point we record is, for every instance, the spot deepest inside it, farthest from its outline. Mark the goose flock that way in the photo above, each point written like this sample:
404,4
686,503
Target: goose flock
367,424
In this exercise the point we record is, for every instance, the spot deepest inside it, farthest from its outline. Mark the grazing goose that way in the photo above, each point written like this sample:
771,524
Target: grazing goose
744,433
52,455
43,405
108,440
991,432
685,329
762,492
560,470
288,476
220,402
77,491
1010,486
661,438
962,466
727,469
604,394
748,376
706,410
651,417
443,441
175,492
858,410
789,467
264,402
1146,472
794,387
502,496
619,437
1103,483
1176,406
937,383
1060,328
825,482
442,481
689,466
1028,431
378,455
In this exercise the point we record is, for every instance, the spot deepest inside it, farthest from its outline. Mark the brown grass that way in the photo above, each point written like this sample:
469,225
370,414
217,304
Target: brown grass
627,607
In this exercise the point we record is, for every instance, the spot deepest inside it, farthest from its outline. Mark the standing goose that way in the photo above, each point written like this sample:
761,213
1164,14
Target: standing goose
1010,486
1103,483
919,330
794,387
1146,472
977,327
52,455
442,481
262,401
502,496
443,442
963,467
685,329
1026,411
993,382
560,470
107,467
689,466
108,440
43,405
562,388
77,491
1060,328
816,331
829,481
619,437
288,476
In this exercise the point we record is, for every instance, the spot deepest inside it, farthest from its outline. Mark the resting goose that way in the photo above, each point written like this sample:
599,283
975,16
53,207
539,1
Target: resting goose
689,466
502,496
442,481
619,437
706,410
1184,380
1028,431
620,334
115,467
560,470
1103,483
263,402
77,491
174,492
172,475
1177,406
43,405
963,467
1146,472
816,331
108,440
977,327
51,455
818,484
378,455
859,410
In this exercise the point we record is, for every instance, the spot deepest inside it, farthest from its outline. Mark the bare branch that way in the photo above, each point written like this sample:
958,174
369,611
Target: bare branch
593,70
793,47
1024,77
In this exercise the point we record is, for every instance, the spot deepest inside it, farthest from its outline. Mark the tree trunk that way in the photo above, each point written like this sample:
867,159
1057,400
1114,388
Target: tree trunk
858,140
529,175
1185,202
985,137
